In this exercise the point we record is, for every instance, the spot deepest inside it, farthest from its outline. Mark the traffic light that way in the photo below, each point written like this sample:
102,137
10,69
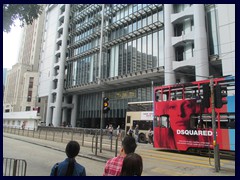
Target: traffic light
220,92
206,95
106,107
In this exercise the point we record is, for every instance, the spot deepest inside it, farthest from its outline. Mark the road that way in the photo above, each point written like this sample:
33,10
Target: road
41,155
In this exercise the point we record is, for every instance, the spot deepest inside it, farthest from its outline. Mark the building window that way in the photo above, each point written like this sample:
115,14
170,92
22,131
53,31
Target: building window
212,31
28,108
31,79
29,98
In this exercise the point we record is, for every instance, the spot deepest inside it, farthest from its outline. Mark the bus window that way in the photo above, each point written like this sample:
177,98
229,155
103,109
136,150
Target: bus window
193,121
128,119
227,121
143,125
158,95
156,121
176,94
164,121
161,97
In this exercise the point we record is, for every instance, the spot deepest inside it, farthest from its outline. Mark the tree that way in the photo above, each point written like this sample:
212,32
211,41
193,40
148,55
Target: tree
26,13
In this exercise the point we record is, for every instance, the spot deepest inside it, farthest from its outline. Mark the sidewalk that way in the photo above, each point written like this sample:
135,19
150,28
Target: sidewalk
85,151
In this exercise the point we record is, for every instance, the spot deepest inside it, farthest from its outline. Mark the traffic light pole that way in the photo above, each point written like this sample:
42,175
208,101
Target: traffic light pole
215,145
101,123
99,76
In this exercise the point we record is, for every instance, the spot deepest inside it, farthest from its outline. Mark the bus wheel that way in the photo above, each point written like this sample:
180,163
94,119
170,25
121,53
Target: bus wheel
142,138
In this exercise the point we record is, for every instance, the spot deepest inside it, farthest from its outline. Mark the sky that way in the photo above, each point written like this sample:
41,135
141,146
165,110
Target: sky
11,45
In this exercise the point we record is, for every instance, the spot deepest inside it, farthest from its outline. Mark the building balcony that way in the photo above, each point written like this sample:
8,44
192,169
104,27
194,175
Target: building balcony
58,53
183,39
59,40
179,17
185,63
61,17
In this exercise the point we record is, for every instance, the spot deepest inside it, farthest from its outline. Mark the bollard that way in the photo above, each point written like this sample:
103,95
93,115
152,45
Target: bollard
39,134
15,130
116,147
33,132
28,132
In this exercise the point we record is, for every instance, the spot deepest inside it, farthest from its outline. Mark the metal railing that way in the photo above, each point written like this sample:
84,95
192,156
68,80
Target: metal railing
86,137
14,167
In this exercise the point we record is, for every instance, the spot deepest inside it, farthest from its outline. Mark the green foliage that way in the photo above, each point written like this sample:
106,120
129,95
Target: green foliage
26,13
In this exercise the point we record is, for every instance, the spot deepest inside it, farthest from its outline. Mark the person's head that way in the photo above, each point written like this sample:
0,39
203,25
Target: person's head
72,149
132,165
180,113
129,144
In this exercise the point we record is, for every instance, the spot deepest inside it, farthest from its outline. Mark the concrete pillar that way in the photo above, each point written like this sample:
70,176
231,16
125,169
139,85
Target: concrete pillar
74,110
169,75
200,43
64,115
58,105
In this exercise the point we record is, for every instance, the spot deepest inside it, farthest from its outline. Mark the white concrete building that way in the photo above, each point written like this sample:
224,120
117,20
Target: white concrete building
142,43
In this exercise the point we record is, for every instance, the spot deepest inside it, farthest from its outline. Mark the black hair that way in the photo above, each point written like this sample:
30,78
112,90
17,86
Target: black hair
129,144
132,165
72,150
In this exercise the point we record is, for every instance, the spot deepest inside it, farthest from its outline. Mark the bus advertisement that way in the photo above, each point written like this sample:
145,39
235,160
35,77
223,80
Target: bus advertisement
140,113
183,122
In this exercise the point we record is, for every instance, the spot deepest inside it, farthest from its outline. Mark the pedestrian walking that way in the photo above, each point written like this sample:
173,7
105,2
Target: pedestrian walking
113,166
119,133
69,167
110,131
150,136
136,133
130,131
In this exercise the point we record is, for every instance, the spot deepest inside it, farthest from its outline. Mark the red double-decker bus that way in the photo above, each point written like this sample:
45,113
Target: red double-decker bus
183,122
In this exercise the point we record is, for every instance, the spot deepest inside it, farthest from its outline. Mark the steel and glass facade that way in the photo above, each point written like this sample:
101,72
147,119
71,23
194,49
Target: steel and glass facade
141,45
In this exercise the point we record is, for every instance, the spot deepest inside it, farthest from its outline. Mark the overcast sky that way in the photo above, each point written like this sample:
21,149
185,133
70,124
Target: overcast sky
11,44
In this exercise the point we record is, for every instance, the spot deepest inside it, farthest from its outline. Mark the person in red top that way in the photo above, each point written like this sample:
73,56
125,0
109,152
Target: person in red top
113,166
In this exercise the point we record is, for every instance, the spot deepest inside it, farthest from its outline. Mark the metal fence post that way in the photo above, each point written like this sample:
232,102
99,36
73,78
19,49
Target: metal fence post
39,133
72,135
83,137
93,141
116,147
111,144
96,144
53,135
14,167
62,137
46,135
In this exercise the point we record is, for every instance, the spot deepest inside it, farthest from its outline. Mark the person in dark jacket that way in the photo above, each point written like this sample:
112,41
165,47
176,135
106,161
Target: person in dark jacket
69,167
